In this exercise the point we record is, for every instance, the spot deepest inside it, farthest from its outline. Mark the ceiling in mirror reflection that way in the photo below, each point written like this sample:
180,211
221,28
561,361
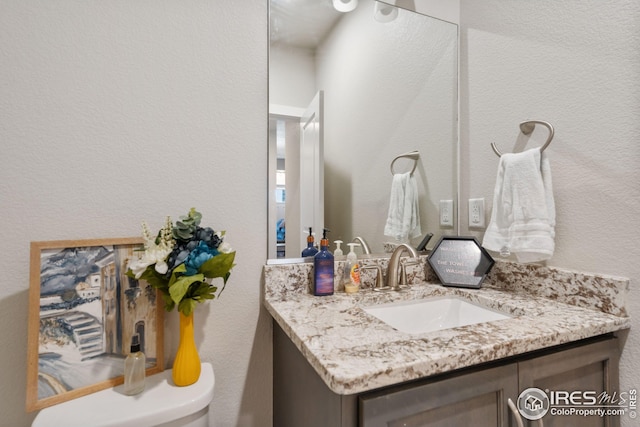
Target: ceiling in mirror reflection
390,88
301,23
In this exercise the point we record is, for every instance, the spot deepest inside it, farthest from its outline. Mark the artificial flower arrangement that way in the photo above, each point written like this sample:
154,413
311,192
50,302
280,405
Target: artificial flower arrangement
180,259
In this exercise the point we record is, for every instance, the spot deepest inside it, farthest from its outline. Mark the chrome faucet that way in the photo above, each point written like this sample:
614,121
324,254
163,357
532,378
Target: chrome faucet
363,243
394,264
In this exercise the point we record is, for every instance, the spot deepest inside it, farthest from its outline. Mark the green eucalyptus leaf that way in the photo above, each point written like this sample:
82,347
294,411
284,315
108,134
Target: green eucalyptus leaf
187,226
195,216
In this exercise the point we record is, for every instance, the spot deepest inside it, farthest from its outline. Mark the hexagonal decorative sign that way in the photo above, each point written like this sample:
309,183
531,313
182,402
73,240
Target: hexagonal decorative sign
460,261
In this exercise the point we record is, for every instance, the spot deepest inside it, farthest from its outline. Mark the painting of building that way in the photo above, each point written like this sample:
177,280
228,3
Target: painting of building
89,310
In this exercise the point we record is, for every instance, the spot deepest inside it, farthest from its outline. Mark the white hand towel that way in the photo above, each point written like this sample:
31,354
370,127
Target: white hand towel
523,217
403,221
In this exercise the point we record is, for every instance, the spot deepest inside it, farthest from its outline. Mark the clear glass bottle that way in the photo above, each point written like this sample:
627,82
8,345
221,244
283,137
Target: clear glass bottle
134,368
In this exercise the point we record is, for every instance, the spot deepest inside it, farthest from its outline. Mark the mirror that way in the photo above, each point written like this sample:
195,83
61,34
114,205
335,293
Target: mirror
387,78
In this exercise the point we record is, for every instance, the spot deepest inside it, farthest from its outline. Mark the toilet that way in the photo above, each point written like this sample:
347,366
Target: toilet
161,404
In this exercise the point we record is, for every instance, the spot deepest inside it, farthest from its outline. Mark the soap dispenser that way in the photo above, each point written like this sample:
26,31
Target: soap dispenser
134,368
351,272
338,250
323,268
310,250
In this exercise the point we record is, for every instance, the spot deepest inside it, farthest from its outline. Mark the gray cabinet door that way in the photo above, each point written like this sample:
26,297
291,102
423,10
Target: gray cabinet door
476,399
591,367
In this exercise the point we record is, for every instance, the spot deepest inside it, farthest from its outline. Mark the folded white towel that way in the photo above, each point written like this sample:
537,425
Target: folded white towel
403,221
523,217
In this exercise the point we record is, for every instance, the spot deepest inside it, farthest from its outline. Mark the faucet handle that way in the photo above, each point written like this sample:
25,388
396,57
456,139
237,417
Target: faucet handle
403,268
379,281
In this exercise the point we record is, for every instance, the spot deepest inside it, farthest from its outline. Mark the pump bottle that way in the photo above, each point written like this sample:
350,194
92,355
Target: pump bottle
351,272
338,250
323,268
310,250
134,368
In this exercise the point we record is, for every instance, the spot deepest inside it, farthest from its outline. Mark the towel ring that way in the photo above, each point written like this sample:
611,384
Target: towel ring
413,155
527,128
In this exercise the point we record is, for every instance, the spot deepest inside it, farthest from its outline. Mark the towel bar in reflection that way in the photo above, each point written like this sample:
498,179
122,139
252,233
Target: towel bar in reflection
527,128
413,155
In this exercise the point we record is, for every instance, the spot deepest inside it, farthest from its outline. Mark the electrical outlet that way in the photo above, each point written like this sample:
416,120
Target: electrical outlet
446,213
476,213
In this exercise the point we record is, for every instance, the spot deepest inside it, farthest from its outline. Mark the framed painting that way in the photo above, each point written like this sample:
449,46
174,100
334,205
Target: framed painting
84,312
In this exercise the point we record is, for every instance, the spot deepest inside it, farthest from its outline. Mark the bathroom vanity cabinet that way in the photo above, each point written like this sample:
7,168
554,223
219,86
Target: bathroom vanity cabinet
470,396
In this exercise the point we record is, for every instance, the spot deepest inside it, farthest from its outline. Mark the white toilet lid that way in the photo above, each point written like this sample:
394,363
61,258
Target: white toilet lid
160,402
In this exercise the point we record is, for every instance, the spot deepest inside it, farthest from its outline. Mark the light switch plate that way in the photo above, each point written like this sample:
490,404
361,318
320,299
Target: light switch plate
446,213
476,213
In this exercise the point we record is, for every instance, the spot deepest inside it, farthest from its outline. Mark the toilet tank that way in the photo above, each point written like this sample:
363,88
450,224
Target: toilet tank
160,404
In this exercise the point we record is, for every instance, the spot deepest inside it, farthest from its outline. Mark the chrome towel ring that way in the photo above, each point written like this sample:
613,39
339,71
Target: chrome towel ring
527,128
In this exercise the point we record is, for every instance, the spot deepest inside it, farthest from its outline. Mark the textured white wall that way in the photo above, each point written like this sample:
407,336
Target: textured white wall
114,112
292,76
575,64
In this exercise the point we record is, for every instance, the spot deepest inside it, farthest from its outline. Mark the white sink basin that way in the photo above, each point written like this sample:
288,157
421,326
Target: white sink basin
433,314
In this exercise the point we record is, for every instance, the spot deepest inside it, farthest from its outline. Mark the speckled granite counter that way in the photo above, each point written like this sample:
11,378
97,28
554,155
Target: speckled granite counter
354,352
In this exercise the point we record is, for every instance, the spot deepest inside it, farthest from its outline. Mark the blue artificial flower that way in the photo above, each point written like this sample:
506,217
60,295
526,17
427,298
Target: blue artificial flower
198,256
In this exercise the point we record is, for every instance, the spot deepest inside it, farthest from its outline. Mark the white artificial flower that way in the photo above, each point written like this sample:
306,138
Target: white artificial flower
162,267
138,266
225,248
153,254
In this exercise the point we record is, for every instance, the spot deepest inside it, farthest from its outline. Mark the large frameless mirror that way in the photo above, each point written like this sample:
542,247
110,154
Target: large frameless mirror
349,92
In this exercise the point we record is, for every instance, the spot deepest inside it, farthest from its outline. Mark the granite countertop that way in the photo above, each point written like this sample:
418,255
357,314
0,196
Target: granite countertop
354,352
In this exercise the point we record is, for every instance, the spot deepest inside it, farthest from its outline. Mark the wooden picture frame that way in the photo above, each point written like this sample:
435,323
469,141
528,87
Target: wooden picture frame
83,313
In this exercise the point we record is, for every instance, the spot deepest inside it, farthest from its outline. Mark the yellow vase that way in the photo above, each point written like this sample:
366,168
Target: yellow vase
186,366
